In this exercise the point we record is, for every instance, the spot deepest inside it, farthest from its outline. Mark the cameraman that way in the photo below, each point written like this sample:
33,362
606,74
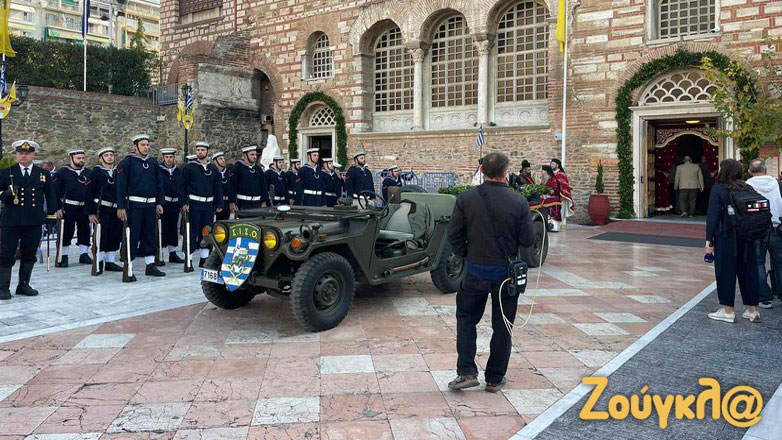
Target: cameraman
487,249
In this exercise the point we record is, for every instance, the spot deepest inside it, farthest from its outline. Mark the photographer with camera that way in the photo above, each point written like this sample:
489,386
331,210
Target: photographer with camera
488,226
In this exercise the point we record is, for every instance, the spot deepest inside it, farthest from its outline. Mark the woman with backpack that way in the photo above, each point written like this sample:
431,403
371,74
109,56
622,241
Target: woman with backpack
734,255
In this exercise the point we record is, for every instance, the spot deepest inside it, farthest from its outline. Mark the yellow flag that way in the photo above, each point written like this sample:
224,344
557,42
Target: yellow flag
5,35
561,23
179,111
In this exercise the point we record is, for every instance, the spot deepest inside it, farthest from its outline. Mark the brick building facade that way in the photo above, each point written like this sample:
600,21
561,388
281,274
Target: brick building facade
414,78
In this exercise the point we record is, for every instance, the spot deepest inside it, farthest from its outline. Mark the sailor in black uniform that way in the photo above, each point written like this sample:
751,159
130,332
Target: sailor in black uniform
290,177
275,176
359,178
140,201
200,195
169,174
310,182
392,179
71,184
248,180
333,185
229,195
24,188
101,205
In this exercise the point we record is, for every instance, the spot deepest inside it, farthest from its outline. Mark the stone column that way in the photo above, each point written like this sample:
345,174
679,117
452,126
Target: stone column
418,88
483,47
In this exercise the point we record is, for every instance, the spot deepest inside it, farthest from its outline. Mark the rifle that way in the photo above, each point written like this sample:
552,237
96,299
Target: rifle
48,236
159,254
60,232
271,195
186,242
127,269
96,239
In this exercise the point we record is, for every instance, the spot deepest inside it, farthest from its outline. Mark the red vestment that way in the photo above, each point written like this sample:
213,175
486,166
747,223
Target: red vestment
560,188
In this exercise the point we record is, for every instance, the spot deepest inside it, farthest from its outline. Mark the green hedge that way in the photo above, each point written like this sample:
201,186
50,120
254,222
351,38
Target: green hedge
60,66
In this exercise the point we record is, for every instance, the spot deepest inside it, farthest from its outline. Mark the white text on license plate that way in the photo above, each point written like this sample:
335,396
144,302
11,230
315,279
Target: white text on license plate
211,276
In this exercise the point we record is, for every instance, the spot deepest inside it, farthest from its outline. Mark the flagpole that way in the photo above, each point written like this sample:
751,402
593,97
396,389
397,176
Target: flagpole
84,25
564,94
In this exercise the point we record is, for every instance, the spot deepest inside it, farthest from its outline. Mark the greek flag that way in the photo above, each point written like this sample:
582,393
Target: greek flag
188,101
3,85
85,17
480,140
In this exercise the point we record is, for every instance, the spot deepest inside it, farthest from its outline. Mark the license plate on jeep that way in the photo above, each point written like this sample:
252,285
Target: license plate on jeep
211,276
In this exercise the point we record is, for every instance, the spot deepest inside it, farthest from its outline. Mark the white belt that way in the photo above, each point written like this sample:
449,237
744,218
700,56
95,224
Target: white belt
200,199
312,192
171,199
105,203
138,199
329,194
248,198
73,202
225,197
291,192
279,197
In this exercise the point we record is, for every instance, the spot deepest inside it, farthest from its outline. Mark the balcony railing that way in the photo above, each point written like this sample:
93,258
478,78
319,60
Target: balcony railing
165,94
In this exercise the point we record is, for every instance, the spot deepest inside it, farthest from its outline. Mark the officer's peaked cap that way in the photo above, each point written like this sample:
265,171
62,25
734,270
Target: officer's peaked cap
25,146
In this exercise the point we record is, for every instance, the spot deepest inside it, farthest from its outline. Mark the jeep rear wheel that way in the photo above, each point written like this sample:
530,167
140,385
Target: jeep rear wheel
449,272
218,294
322,291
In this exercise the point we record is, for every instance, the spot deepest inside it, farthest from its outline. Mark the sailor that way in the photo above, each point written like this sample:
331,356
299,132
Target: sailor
310,181
333,184
25,188
71,184
274,176
392,179
359,178
249,181
140,200
200,195
229,196
169,174
290,179
101,206
190,157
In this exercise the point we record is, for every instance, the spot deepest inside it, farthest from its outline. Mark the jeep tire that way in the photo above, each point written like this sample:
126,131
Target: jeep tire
532,254
218,294
322,291
447,276
412,189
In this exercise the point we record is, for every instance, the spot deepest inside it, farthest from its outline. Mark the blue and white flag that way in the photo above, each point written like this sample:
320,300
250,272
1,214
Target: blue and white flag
188,101
480,140
3,85
85,18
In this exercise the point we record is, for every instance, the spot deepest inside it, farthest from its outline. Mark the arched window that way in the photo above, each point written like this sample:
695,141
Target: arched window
522,53
677,18
454,64
322,59
393,73
323,117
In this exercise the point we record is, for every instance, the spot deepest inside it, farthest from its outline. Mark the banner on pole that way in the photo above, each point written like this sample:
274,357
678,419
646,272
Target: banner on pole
186,111
5,34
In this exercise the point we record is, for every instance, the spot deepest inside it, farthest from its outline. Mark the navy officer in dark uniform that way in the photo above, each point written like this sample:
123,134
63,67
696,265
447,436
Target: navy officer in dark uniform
71,185
229,195
169,174
275,176
101,206
310,182
290,179
25,187
200,195
359,178
333,184
392,179
140,201
248,180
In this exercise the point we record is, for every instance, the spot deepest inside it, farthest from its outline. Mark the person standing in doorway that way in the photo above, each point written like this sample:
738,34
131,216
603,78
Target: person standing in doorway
688,182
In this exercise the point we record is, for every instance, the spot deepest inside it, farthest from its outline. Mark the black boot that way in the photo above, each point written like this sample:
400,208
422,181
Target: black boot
160,263
5,282
63,262
153,271
112,267
174,258
201,262
85,259
25,272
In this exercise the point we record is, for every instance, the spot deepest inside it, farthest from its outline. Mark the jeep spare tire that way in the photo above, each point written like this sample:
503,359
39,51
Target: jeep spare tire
536,254
412,189
218,294
322,291
447,276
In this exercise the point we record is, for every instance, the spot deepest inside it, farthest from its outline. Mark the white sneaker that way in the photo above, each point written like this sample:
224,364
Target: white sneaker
753,317
721,315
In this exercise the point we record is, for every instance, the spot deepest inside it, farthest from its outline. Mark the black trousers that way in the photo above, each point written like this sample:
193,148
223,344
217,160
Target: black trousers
75,219
198,217
225,213
110,229
170,234
470,304
142,221
246,204
735,259
26,238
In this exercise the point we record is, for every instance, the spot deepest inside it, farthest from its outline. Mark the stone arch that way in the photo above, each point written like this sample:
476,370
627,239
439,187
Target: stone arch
427,28
369,18
189,55
495,11
367,42
308,28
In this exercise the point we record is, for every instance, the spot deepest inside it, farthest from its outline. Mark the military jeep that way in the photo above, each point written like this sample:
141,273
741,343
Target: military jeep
313,256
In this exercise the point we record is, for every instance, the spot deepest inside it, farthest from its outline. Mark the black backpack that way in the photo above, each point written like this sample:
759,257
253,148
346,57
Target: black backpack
751,214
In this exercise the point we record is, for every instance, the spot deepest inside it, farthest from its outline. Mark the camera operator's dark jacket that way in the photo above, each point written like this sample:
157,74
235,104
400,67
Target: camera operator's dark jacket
470,232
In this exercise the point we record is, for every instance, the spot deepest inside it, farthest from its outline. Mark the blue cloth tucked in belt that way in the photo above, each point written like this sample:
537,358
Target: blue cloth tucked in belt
487,271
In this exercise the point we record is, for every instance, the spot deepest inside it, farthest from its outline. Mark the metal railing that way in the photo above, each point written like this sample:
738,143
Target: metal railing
165,94
432,182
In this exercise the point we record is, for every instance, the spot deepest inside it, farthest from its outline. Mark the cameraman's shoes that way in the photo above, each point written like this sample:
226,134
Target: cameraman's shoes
462,382
494,387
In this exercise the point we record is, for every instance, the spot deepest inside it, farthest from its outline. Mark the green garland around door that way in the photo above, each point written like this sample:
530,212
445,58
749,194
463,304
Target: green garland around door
293,125
624,151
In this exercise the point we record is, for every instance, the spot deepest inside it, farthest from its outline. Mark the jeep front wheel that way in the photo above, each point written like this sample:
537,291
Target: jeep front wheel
322,291
218,294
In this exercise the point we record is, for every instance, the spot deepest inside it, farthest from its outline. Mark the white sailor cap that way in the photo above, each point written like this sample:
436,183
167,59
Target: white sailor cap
218,154
249,148
295,159
140,137
393,167
75,151
202,144
328,159
278,157
165,151
25,146
105,150
191,157
359,153
313,150
337,164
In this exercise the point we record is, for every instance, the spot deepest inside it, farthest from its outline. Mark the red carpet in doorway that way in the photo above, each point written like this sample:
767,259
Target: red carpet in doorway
656,228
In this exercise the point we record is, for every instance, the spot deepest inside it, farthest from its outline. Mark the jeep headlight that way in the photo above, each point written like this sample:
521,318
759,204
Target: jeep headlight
220,234
270,240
